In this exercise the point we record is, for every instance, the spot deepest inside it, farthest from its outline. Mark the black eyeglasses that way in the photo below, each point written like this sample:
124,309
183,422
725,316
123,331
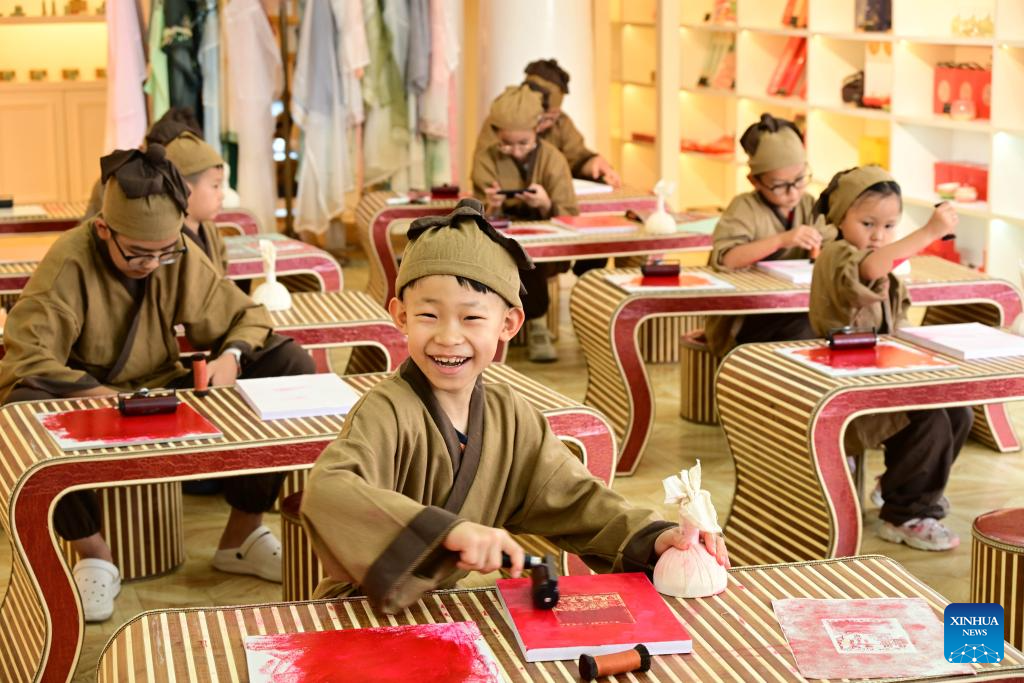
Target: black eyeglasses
164,258
783,189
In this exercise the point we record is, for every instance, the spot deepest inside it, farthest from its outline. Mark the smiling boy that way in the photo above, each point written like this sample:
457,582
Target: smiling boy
433,470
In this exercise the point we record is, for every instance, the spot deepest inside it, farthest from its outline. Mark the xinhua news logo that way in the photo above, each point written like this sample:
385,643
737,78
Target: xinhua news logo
973,632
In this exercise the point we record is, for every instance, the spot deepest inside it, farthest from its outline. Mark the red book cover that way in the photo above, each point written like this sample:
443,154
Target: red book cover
801,13
418,653
596,222
108,428
788,15
790,79
881,638
788,53
596,614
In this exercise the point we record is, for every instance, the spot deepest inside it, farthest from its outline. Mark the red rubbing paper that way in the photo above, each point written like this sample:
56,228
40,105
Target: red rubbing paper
523,231
596,614
597,222
887,357
108,428
419,653
683,280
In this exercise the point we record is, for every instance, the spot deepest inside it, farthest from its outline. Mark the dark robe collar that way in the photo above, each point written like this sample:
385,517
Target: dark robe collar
465,462
199,237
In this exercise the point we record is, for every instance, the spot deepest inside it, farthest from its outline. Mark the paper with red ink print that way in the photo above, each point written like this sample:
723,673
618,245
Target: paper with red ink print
108,428
879,638
596,614
686,280
417,653
887,357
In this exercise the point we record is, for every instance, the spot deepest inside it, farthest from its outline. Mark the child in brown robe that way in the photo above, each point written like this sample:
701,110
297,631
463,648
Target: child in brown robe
98,317
773,222
434,468
519,160
853,285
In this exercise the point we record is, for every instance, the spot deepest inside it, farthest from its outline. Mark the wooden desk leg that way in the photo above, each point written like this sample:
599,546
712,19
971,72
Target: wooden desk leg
992,426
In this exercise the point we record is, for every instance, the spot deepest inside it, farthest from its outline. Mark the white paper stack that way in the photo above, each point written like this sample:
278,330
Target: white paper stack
967,341
797,271
585,187
275,398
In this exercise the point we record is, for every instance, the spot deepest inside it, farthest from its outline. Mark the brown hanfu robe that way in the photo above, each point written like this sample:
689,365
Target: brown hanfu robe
545,166
563,136
382,498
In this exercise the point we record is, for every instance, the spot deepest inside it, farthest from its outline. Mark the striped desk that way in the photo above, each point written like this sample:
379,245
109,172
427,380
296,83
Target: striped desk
300,265
374,217
54,216
40,618
794,498
608,319
735,634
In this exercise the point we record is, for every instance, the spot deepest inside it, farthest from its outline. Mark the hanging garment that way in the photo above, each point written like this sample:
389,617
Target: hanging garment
254,67
126,71
353,57
317,107
395,14
417,62
182,31
386,132
156,85
434,103
209,67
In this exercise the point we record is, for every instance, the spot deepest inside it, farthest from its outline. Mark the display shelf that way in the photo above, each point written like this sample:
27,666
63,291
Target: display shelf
909,136
702,47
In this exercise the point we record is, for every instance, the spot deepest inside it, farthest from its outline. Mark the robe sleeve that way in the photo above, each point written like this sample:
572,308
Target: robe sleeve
485,171
566,504
734,228
361,528
837,290
557,180
572,146
216,313
39,335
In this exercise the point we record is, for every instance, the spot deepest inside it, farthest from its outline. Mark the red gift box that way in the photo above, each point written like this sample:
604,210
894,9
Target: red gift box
967,81
965,173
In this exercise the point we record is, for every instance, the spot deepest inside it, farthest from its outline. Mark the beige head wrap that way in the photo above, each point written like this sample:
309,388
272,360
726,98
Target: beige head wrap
846,187
145,195
518,108
464,244
555,93
191,154
777,150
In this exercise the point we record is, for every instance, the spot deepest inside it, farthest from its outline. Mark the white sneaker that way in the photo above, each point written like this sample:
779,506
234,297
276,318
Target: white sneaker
923,533
259,555
538,341
98,582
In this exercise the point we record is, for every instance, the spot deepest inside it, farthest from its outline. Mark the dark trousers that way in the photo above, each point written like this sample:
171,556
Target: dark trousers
536,300
771,327
77,514
918,459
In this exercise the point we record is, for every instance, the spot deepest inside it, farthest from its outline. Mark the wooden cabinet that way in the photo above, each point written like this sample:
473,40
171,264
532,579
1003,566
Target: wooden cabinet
51,137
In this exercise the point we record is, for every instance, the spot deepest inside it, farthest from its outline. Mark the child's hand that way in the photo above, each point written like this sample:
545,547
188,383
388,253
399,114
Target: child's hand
598,167
493,200
673,538
943,221
538,199
802,236
480,547
223,371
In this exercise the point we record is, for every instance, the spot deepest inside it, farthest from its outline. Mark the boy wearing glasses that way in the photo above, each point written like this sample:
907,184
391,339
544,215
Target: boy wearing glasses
98,317
524,177
773,222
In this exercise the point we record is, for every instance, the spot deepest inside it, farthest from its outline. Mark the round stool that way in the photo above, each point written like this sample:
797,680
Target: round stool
142,524
302,571
697,368
997,567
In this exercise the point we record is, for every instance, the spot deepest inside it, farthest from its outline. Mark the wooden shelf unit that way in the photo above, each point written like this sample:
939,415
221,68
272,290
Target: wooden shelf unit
656,51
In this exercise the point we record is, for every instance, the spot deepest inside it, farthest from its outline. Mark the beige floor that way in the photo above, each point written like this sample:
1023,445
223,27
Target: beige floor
982,480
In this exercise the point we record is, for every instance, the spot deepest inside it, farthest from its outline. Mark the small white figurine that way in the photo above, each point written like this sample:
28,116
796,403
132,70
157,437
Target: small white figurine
661,222
271,293
694,572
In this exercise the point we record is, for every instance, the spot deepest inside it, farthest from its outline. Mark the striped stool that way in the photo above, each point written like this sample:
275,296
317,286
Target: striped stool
997,567
697,368
301,567
142,524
